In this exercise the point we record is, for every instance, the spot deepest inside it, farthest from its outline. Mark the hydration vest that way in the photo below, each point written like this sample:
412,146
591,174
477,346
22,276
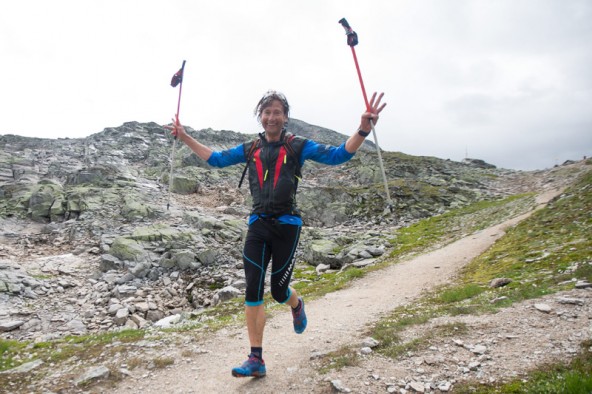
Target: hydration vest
274,172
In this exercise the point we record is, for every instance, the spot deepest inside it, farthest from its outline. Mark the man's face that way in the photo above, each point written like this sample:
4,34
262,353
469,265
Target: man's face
273,118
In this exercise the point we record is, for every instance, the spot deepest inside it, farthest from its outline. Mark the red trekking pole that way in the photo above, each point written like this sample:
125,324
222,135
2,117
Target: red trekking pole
176,80
352,41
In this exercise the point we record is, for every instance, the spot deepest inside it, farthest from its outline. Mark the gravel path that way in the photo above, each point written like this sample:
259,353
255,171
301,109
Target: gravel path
336,320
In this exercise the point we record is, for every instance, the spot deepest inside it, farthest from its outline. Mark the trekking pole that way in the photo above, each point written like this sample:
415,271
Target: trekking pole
176,80
352,41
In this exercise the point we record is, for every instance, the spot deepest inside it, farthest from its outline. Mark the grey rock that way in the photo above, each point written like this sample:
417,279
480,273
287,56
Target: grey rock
225,294
583,284
366,350
140,269
323,251
568,300
92,375
499,282
417,387
25,368
545,308
121,316
370,342
155,315
110,262
6,326
339,386
168,321
479,349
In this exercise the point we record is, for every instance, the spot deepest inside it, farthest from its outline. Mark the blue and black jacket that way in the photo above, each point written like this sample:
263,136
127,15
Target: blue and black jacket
274,170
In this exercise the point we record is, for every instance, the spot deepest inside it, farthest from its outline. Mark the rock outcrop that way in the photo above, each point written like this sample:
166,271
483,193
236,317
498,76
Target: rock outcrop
88,242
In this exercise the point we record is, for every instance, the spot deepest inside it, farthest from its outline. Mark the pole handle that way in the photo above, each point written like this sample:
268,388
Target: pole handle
352,36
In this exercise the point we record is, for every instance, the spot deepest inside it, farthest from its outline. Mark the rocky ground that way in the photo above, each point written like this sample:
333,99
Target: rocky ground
102,263
488,349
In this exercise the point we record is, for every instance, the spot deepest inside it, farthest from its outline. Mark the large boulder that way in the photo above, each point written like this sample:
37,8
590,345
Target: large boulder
184,185
128,250
45,197
323,251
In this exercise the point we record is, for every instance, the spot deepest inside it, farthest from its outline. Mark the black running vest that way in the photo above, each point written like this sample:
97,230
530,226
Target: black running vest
274,172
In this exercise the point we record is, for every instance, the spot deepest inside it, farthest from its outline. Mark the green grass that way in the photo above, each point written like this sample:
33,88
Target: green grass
456,223
574,377
15,353
337,360
462,293
541,255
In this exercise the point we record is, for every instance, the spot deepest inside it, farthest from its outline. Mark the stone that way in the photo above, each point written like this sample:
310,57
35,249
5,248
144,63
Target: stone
417,387
545,308
225,294
10,325
121,316
479,349
339,386
92,375
139,320
168,321
25,368
366,350
128,249
499,282
110,262
572,301
140,269
323,251
370,342
321,268
154,315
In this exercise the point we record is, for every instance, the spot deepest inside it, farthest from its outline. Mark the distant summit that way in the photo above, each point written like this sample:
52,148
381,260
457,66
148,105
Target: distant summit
478,163
323,135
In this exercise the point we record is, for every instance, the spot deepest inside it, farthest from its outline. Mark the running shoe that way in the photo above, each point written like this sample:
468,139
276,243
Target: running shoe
299,317
254,367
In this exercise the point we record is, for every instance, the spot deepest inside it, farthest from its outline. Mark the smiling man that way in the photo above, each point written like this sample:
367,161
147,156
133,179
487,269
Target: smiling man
274,162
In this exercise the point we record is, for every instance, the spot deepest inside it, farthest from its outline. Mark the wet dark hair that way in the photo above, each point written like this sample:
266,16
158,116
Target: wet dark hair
266,101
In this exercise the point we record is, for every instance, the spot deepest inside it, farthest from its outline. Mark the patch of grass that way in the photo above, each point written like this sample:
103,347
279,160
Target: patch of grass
134,362
163,362
461,293
84,347
456,223
541,255
547,248
10,353
318,285
388,332
339,359
574,377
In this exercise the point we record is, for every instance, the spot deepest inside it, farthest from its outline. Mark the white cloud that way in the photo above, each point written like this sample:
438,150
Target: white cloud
496,79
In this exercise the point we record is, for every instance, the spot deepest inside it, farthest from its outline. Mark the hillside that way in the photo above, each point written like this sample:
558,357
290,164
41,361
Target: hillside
88,245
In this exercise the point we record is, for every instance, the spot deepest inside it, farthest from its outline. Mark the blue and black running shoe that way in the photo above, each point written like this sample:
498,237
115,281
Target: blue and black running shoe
254,367
299,316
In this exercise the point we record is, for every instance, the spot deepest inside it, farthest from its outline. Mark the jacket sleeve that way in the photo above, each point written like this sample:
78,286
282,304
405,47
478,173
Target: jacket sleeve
227,157
326,154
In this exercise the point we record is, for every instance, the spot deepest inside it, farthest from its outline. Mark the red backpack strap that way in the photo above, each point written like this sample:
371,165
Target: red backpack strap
250,153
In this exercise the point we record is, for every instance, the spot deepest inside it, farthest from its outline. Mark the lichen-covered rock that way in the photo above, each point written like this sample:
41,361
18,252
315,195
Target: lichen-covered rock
323,251
128,249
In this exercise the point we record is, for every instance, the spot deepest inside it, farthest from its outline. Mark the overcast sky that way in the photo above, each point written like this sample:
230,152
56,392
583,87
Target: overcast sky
506,81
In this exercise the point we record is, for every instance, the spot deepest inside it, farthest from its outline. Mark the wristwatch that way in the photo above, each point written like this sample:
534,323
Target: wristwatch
363,133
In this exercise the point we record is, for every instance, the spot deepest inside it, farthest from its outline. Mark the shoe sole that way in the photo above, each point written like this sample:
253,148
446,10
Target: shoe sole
237,374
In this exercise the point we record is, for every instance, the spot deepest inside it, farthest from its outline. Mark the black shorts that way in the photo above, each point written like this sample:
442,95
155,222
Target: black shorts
267,240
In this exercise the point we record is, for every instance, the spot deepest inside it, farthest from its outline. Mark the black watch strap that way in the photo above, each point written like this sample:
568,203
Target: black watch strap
363,133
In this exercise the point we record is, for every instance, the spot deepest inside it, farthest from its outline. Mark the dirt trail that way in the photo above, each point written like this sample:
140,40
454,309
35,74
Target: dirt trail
335,320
